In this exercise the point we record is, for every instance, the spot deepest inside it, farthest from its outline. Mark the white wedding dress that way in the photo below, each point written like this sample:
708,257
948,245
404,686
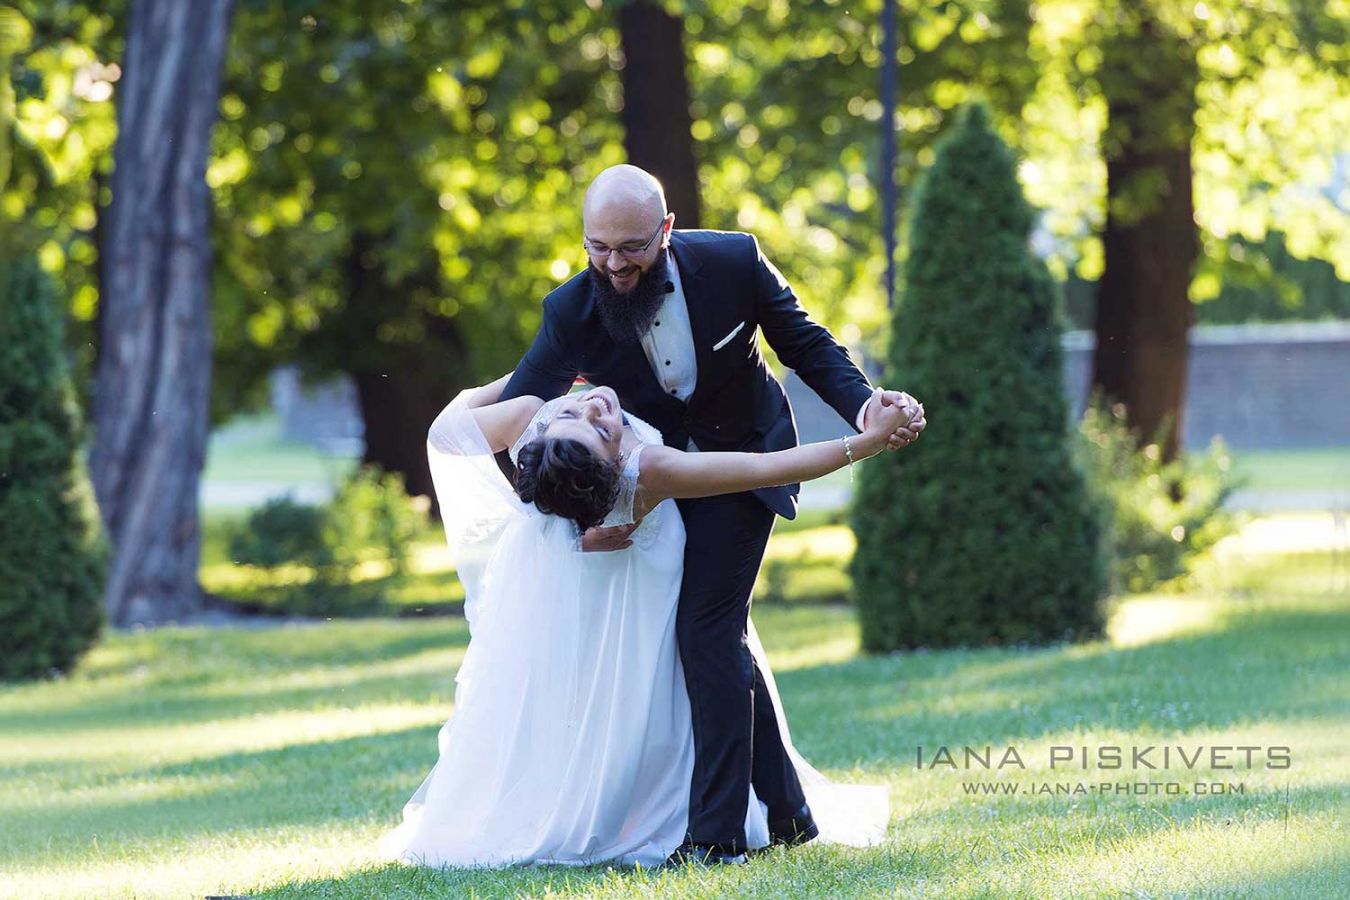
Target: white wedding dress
570,740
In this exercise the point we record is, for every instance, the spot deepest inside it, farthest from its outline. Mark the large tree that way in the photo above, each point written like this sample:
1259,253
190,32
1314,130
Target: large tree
1180,133
1217,122
397,186
152,387
656,121
1149,240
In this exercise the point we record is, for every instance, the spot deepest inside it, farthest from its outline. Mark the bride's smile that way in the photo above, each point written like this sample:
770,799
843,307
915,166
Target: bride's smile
593,418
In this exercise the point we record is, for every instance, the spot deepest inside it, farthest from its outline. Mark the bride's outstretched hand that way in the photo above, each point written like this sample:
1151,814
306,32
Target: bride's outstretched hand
908,432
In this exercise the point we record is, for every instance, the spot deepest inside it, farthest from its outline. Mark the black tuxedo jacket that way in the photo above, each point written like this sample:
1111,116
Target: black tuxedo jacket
737,404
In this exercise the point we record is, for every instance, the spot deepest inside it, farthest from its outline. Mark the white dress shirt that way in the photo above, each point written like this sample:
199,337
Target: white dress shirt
669,345
669,342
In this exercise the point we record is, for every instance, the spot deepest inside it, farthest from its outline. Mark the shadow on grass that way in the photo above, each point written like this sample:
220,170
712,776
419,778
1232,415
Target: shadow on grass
203,675
368,777
1326,876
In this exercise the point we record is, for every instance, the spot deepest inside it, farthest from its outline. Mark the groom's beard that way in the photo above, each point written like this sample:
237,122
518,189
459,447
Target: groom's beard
628,316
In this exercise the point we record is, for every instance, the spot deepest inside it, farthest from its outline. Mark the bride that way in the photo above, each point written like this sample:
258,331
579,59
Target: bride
570,740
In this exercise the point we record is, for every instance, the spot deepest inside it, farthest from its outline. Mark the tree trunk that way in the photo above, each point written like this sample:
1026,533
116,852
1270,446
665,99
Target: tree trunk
656,117
398,407
401,385
1150,241
153,379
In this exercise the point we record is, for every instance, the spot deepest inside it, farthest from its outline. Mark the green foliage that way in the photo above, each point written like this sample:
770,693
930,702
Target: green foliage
1156,540
1267,85
53,557
787,114
443,147
372,516
343,558
1264,282
1258,282
60,131
983,531
281,531
392,174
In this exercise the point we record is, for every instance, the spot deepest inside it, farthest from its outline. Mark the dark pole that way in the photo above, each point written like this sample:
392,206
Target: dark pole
888,187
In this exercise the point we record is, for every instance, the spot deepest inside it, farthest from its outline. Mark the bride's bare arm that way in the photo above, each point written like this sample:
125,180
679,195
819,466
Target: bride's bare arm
501,423
489,393
667,472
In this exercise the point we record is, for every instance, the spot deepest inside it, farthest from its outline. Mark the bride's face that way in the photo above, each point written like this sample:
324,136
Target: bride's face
594,418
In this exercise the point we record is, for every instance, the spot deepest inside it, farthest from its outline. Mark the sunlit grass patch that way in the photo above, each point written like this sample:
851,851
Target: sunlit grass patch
268,761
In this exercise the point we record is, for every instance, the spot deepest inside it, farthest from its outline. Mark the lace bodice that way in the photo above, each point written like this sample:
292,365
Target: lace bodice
622,513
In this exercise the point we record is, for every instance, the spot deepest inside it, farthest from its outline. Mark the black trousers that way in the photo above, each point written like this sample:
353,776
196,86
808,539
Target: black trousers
736,737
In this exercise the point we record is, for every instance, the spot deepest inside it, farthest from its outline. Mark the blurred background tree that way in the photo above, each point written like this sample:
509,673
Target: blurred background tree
1167,139
657,125
153,380
397,186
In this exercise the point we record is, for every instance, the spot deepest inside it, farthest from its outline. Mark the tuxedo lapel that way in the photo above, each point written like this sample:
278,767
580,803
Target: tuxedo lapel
697,301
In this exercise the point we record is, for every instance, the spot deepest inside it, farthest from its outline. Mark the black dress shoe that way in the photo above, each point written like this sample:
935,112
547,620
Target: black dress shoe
793,830
690,853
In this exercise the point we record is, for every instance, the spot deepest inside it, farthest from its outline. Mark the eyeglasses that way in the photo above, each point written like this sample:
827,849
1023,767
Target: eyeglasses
628,251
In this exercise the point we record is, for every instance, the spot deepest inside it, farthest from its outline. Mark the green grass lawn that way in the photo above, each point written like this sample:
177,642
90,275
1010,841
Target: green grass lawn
191,761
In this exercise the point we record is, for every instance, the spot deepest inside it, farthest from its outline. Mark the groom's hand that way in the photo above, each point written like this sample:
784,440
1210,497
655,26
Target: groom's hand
602,539
905,434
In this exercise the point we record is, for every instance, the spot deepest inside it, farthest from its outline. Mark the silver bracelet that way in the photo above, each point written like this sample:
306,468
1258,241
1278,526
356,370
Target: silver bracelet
849,450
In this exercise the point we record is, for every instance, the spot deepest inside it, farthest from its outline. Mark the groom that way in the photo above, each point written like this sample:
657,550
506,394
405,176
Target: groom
668,319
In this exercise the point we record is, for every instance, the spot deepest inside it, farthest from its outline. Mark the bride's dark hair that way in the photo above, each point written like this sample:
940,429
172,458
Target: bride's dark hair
563,477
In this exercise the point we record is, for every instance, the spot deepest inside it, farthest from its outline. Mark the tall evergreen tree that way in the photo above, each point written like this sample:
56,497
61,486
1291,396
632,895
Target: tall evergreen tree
52,557
983,532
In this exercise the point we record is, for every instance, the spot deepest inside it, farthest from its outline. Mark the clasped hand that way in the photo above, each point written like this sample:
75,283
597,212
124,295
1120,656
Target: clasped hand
898,414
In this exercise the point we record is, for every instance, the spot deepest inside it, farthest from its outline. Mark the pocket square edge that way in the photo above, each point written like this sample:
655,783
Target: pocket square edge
726,340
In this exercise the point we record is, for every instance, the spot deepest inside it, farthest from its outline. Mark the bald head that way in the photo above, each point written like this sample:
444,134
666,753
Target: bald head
624,190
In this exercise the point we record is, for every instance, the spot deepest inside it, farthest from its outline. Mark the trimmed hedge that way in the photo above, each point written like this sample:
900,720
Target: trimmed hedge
984,531
53,557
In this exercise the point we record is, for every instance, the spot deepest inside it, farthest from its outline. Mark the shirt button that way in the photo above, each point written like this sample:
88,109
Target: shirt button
667,362
672,390
658,323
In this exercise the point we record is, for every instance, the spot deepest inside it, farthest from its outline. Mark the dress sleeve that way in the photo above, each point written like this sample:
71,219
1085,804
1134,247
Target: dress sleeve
622,513
476,503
